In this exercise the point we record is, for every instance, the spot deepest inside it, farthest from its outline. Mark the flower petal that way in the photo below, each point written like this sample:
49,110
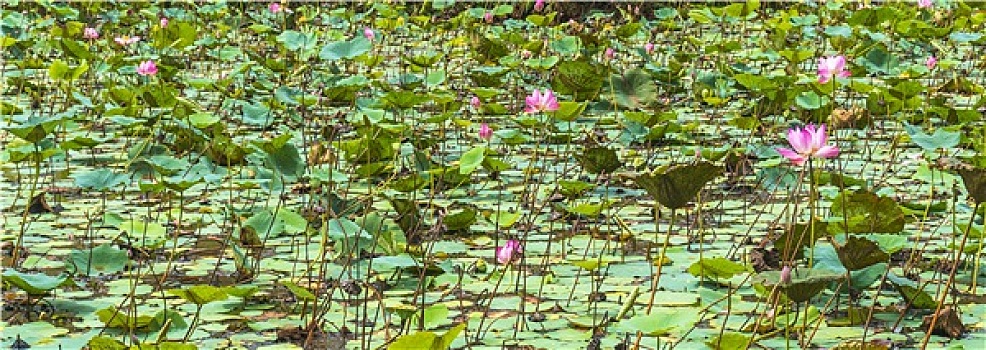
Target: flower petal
827,152
838,63
818,137
800,140
791,155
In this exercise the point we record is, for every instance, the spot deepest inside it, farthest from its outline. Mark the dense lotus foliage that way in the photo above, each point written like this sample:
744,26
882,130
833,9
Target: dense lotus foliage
492,175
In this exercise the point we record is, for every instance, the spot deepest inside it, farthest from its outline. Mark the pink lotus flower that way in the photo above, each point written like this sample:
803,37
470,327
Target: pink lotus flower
609,54
786,275
525,54
369,34
488,17
538,102
931,62
807,143
509,252
126,40
539,5
164,22
147,68
649,48
485,132
474,102
829,67
275,7
924,4
90,33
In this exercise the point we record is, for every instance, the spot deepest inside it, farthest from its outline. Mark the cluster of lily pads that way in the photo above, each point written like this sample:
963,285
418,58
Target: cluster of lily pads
183,175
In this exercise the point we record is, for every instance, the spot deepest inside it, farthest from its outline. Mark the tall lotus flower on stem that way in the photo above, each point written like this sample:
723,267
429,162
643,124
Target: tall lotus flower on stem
509,252
147,68
369,34
830,67
931,62
474,102
539,5
808,142
609,53
541,102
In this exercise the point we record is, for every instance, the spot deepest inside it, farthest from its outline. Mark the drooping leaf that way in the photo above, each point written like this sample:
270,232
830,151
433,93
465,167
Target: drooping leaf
345,49
633,90
114,318
427,340
581,79
860,252
866,212
805,282
460,220
299,292
35,283
200,294
348,236
716,268
100,179
599,160
941,138
915,297
268,225
297,41
679,185
147,233
974,180
471,160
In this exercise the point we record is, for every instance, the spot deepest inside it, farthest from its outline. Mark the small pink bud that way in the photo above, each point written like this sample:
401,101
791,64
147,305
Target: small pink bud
164,22
539,5
369,34
649,48
924,4
474,102
90,33
609,53
786,275
931,62
147,68
509,252
485,132
488,17
274,7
